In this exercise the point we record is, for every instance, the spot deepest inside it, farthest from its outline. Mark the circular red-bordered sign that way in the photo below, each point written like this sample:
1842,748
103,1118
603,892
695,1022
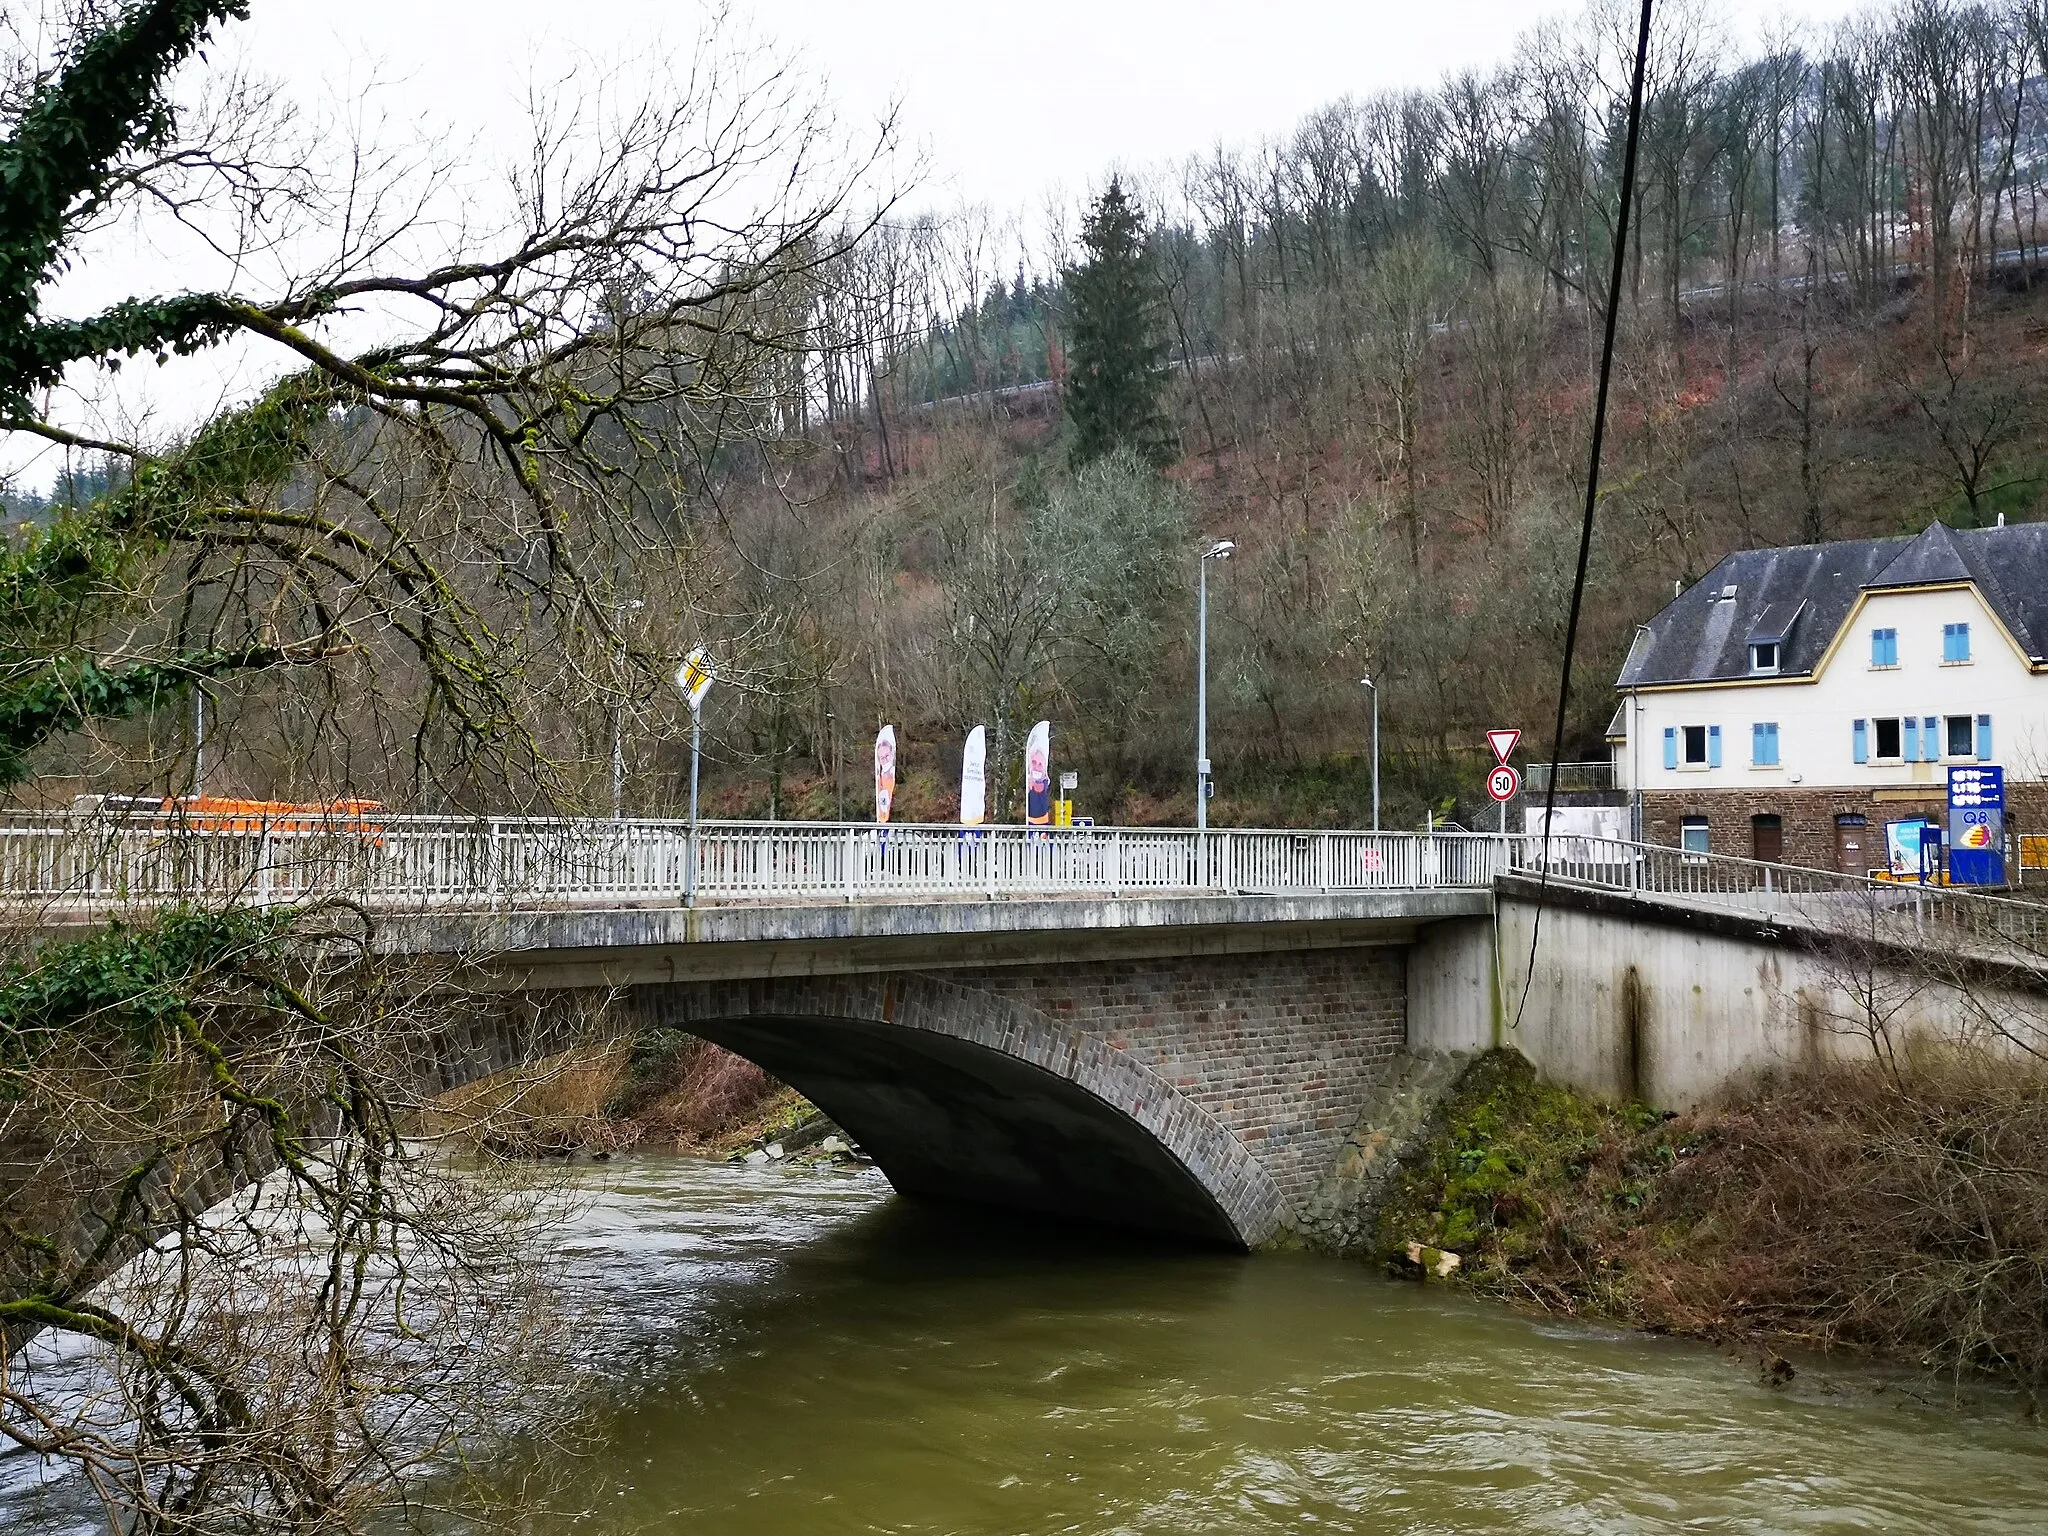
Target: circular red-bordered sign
1503,783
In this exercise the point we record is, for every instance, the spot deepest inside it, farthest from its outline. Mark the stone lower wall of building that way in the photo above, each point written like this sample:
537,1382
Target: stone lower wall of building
1809,815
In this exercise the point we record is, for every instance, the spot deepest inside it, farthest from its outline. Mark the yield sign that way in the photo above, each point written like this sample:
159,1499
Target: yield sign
1502,742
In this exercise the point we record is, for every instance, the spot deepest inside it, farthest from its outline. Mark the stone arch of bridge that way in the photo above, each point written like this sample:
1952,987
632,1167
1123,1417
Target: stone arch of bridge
964,1095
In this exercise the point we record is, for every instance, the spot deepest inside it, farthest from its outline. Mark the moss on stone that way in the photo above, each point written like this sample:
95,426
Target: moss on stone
1505,1155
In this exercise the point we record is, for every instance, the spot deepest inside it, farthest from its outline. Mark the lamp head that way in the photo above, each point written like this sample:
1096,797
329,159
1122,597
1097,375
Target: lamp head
1222,549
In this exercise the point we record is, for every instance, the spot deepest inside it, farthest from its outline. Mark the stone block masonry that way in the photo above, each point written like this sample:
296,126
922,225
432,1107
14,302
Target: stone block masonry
1808,816
1280,1049
1204,1094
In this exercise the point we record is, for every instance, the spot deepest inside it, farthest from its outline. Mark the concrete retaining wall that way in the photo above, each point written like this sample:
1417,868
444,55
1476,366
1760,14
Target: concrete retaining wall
1630,999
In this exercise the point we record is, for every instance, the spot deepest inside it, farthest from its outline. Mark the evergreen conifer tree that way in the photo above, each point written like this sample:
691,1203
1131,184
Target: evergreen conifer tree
1117,353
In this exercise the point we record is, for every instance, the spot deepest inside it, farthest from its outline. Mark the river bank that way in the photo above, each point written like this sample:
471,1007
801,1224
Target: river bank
657,1091
1900,1213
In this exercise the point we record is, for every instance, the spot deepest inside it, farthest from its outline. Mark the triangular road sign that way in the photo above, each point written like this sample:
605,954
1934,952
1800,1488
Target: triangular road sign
1502,742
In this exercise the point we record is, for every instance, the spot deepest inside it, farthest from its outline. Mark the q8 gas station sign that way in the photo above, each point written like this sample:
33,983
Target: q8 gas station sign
1976,825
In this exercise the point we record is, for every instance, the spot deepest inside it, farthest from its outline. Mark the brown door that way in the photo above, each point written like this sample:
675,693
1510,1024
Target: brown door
1767,839
1849,856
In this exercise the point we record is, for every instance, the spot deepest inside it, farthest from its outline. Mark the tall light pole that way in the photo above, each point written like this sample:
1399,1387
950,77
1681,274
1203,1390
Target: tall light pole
1222,549
198,740
1369,684
627,605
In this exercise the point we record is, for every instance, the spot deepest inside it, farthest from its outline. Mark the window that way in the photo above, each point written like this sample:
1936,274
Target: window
1962,740
1764,657
1763,744
1955,644
1695,746
1692,834
1890,746
1884,647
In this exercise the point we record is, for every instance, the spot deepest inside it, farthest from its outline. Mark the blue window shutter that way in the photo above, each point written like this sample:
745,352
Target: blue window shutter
1713,746
1983,738
1930,740
1911,726
1670,746
1756,745
1862,739
1771,742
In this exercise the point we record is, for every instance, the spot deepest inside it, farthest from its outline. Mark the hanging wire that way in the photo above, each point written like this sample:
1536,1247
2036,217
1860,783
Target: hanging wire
1571,634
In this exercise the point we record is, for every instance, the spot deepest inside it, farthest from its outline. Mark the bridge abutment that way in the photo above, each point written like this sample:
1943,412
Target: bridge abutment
1203,1096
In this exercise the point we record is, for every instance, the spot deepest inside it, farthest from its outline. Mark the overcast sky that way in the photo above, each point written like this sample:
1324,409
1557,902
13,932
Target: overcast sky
1005,104
1007,99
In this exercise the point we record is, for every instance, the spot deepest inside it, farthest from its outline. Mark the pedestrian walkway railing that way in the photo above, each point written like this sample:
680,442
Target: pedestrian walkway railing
93,861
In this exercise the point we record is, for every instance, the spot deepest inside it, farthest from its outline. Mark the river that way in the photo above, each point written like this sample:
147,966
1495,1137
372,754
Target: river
799,1352
796,1352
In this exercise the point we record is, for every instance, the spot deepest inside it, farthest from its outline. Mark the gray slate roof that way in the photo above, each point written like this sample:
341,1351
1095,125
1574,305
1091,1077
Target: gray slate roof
1700,638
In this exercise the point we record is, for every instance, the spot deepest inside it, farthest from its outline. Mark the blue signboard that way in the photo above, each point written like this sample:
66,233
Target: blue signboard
1976,825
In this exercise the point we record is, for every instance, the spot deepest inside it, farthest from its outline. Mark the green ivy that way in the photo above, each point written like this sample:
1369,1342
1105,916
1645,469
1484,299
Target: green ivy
138,980
64,152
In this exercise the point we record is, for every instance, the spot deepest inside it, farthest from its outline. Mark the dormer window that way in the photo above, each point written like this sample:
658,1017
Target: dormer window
1769,635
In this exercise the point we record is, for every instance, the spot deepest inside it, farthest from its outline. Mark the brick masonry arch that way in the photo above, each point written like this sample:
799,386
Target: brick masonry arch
1107,1136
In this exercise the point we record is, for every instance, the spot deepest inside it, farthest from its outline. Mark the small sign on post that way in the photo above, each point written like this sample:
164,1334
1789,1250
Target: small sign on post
1503,783
693,678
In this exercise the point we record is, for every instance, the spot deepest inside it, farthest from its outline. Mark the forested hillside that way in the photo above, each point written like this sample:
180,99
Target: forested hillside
1383,331
1380,334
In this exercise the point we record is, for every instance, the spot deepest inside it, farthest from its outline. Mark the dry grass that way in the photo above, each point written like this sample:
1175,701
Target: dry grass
1903,1214
553,1106
660,1089
690,1094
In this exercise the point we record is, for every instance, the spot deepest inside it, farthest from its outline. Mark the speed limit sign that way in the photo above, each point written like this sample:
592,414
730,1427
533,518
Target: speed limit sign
1503,783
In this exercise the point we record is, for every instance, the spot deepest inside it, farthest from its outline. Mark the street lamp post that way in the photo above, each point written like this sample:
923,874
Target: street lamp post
198,741
1368,684
627,605
1222,549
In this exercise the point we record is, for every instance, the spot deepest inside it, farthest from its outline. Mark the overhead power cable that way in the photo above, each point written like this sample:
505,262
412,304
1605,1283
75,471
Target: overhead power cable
1571,633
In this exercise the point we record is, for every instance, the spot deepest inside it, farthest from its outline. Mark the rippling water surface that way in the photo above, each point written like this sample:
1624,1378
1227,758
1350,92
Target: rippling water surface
789,1351
796,1352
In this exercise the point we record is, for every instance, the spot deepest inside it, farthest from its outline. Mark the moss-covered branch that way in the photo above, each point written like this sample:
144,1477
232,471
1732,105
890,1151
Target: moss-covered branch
65,148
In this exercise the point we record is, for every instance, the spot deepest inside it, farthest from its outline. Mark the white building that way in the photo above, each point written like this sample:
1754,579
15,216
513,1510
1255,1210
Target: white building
1796,699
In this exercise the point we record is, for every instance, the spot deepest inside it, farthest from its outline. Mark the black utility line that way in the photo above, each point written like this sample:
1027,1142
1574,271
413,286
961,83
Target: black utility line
1571,634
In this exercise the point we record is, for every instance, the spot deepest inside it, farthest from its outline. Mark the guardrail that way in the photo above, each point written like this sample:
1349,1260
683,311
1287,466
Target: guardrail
1849,907
101,862
1572,778
430,860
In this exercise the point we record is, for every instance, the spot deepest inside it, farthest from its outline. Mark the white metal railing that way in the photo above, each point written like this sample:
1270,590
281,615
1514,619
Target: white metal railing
1848,906
99,860
433,860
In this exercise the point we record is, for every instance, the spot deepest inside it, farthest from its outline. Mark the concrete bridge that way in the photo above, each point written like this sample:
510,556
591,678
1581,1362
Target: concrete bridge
1161,1029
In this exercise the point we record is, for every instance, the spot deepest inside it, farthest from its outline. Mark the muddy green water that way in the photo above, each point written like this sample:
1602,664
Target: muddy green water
799,1352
